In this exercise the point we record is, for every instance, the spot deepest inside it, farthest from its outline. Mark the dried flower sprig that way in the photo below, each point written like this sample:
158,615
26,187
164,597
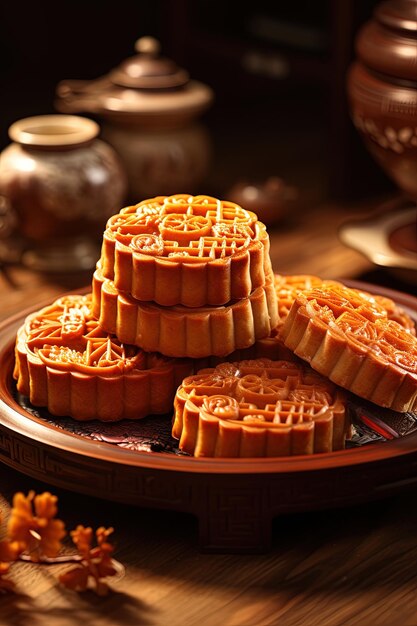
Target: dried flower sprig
32,523
96,562
34,534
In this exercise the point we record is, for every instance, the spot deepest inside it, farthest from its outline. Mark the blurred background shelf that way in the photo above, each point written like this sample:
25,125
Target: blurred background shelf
278,71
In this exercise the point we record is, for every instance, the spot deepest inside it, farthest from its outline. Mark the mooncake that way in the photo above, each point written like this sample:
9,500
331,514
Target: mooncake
180,331
259,408
347,336
289,286
189,250
65,362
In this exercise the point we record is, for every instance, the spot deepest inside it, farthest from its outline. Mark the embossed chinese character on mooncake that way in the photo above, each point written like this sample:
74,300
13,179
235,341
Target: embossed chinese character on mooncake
259,408
350,337
65,362
188,250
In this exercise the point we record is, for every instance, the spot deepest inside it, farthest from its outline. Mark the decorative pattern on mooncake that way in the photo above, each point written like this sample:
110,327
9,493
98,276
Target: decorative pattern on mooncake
348,337
185,332
393,311
259,408
188,250
288,287
65,362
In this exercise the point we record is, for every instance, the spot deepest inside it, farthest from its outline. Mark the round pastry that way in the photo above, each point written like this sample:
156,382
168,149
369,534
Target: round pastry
259,408
185,332
347,336
289,286
65,362
189,250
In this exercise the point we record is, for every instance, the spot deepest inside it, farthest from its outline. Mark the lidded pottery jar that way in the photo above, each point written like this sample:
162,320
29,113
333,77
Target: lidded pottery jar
148,109
382,90
62,183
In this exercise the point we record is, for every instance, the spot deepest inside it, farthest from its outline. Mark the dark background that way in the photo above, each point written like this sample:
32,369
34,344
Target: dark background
278,70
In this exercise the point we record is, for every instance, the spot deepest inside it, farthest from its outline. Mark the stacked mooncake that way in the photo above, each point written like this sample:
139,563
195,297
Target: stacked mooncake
186,276
178,277
191,277
186,317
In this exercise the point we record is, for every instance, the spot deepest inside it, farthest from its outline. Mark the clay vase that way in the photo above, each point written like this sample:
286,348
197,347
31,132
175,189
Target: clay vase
62,183
148,109
382,90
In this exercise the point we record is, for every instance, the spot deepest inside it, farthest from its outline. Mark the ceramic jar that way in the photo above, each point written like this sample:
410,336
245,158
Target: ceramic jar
382,90
62,183
149,110
161,162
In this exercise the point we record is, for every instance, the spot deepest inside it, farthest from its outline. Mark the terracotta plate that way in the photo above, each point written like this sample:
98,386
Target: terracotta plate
234,500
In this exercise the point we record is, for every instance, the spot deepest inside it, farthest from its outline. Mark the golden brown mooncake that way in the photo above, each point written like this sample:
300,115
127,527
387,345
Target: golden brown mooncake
348,337
65,362
289,286
189,250
259,408
394,311
184,332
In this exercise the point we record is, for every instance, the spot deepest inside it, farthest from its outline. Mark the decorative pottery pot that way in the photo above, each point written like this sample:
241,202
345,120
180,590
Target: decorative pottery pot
382,90
148,109
160,162
62,183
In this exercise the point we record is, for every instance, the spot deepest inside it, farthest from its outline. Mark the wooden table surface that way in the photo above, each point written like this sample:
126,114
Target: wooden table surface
341,567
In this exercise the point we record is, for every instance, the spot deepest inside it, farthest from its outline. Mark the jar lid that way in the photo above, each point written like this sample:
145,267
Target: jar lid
144,89
148,70
399,14
387,43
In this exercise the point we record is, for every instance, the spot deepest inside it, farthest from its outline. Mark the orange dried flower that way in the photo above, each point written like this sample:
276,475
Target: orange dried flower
10,550
33,529
32,523
103,552
82,538
96,562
